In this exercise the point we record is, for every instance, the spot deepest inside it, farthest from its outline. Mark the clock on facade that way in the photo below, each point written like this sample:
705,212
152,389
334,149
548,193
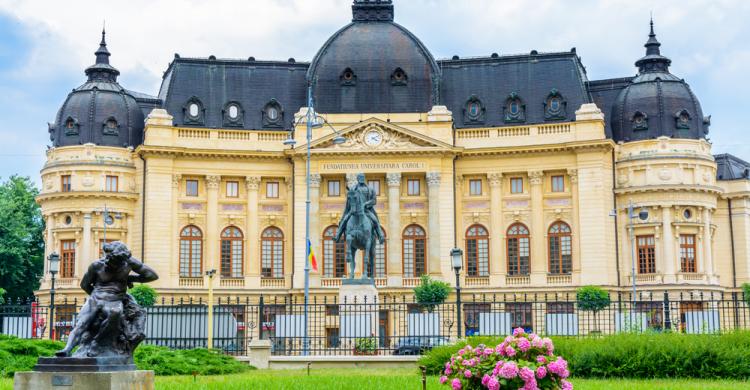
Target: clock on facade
373,138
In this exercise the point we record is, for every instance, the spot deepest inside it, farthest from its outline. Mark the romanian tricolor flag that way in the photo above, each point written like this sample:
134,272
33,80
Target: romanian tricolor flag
311,257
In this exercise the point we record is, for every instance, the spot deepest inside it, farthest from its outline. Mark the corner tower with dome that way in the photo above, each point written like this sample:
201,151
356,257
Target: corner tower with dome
518,159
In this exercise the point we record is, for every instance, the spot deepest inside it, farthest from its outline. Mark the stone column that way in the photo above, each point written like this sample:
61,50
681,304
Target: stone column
576,224
315,238
85,253
497,265
433,222
707,246
667,241
174,264
211,235
539,260
252,266
394,229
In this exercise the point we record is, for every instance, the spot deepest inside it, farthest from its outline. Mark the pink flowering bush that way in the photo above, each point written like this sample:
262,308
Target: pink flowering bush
521,362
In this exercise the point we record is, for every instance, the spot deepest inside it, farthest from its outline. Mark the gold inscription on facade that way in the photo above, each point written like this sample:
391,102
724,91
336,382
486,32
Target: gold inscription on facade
373,166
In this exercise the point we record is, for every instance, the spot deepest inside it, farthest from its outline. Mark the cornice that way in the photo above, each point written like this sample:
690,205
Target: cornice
605,145
87,195
670,187
147,151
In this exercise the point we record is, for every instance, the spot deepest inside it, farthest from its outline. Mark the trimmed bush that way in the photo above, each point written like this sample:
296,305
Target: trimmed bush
21,355
431,293
593,299
165,361
746,290
647,355
144,295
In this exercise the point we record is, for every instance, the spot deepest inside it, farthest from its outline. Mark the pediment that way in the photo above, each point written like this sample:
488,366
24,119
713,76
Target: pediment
374,135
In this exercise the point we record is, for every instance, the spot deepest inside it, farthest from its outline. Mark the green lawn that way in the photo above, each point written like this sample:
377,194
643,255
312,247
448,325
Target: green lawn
397,379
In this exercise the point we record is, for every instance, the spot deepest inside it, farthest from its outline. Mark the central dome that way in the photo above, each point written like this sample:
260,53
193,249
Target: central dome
373,65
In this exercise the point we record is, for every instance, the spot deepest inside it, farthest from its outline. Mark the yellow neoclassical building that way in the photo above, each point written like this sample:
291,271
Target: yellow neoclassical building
519,160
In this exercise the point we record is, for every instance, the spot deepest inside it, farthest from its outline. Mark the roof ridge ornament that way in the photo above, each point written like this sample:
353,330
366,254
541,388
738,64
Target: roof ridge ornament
372,11
102,70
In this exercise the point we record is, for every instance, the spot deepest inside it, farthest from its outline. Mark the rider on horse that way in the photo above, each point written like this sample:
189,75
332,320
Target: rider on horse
369,196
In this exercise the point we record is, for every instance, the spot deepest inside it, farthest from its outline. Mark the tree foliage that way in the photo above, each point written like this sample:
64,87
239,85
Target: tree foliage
592,298
21,239
746,290
2,293
431,293
144,295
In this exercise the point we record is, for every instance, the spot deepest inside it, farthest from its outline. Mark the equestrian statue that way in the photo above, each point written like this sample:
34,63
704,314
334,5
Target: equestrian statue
360,227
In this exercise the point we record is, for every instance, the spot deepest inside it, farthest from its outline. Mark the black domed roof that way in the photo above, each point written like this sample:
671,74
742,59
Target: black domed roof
657,103
100,111
374,65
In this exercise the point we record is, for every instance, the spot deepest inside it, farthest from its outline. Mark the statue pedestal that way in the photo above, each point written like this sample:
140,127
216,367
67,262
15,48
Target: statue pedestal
114,380
358,311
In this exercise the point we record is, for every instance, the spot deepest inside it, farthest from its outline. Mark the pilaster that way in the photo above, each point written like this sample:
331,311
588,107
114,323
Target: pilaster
498,267
576,225
668,257
315,237
538,233
708,246
84,259
394,229
211,236
252,265
174,265
433,222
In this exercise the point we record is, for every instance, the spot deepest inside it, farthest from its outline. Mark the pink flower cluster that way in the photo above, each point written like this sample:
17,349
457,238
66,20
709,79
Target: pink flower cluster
521,362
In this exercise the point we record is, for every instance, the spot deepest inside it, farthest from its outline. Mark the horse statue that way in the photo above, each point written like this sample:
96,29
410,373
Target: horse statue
361,227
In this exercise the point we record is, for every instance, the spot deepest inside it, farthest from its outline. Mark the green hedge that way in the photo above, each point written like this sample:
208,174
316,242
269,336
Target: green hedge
21,355
650,355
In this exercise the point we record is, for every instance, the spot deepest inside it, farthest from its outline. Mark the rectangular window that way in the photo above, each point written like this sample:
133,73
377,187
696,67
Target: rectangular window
334,188
412,187
472,312
233,189
332,338
67,258
272,189
111,184
375,186
475,187
65,183
687,253
646,254
520,314
558,183
191,187
516,185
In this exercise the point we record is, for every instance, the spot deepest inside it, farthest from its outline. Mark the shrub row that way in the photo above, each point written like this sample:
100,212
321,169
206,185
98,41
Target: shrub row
650,355
21,355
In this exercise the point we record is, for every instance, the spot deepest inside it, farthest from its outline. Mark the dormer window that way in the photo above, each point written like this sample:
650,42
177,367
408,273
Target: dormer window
111,127
193,111
640,121
348,78
474,110
233,115
554,106
399,77
273,115
514,110
682,119
71,126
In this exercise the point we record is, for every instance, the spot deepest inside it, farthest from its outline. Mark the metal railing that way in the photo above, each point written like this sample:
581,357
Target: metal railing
392,325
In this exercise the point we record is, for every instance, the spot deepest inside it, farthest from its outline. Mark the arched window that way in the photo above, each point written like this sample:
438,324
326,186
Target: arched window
555,106
399,77
682,119
514,110
232,253
193,111
414,251
560,248
640,121
110,126
518,249
272,253
273,114
191,252
477,251
474,110
233,114
334,254
380,257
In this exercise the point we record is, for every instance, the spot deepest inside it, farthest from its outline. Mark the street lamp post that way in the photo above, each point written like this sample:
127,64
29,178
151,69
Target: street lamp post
312,121
457,261
210,325
54,268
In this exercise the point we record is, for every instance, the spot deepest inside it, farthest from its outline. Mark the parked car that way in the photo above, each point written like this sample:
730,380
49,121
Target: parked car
417,345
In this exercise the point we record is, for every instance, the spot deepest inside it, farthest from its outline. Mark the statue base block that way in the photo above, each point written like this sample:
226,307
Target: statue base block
87,364
117,380
358,291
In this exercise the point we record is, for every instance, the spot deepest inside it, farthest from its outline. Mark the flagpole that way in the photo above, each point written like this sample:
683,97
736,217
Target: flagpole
310,112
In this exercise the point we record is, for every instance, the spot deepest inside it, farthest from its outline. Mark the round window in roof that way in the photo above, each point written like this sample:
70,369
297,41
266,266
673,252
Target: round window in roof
234,111
69,124
473,109
272,113
193,110
514,107
111,124
554,104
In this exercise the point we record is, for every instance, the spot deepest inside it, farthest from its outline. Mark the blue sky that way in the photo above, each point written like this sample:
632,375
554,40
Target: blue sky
46,45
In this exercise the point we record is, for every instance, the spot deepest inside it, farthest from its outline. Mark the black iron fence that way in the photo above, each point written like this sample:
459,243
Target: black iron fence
392,325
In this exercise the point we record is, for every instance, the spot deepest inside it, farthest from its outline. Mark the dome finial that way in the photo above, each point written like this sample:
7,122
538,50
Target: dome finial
102,54
372,11
653,61
102,70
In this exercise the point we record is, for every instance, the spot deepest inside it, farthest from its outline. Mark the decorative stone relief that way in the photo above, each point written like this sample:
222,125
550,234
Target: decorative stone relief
212,182
252,183
176,178
536,177
433,179
393,179
573,175
87,181
315,180
495,179
665,174
377,136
